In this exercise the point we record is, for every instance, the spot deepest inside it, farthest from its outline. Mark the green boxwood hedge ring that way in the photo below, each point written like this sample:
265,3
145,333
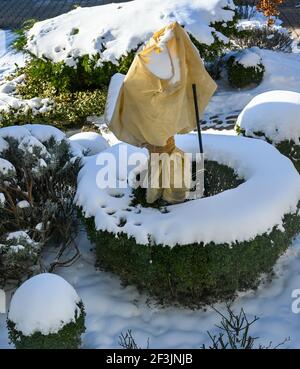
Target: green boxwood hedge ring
201,250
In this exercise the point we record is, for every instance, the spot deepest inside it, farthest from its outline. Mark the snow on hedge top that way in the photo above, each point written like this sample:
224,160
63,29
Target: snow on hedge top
271,190
6,167
122,27
249,58
276,114
92,142
40,131
44,303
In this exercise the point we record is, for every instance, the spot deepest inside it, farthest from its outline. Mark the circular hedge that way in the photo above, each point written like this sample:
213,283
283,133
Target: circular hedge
193,273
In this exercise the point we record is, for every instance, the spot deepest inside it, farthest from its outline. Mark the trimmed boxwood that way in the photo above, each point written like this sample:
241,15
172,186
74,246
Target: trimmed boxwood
287,147
69,337
195,274
240,76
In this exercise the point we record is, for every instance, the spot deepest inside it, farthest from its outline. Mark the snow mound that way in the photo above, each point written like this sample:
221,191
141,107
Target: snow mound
30,143
275,114
92,142
44,303
6,167
44,132
271,190
122,27
2,199
34,136
249,58
114,89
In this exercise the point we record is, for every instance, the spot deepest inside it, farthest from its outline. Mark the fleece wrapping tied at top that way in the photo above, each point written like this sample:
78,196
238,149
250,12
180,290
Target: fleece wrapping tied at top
149,109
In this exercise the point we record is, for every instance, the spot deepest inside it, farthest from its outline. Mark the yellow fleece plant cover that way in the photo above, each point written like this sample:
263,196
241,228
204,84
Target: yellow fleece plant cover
156,99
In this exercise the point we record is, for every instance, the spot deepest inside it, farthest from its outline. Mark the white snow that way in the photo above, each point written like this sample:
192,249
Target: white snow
274,113
282,71
44,132
44,303
92,142
16,248
114,88
6,167
30,143
249,58
271,190
258,20
9,59
39,227
160,64
30,136
19,235
15,132
122,27
36,104
2,199
23,204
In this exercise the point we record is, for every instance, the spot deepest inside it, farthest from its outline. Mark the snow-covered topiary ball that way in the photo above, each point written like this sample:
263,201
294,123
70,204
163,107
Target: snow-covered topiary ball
46,312
245,68
275,117
93,143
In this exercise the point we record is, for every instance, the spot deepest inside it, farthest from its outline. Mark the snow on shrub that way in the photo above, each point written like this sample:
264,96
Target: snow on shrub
19,103
274,116
69,54
113,30
201,250
245,68
92,142
46,312
71,60
37,185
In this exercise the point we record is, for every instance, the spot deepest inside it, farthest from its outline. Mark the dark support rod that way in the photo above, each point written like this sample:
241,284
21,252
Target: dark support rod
197,117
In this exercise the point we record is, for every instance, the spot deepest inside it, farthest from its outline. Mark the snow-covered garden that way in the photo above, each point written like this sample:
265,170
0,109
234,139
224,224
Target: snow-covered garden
81,265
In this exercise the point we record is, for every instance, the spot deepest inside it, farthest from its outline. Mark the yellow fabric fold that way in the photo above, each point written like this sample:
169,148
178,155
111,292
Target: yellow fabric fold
150,110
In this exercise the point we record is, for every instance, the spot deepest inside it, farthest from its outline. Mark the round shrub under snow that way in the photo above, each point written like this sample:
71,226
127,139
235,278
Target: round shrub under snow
91,142
205,249
46,312
275,117
245,68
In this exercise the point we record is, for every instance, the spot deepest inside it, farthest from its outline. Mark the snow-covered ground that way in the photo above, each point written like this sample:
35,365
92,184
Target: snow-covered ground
8,57
112,309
